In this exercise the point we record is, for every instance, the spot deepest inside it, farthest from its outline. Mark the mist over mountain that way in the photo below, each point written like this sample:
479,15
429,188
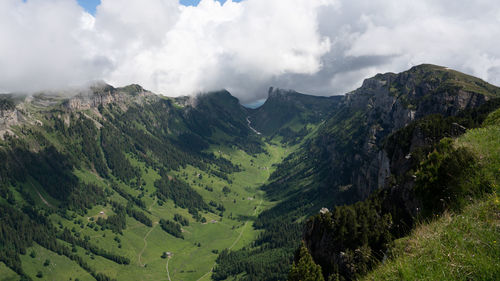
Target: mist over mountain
322,47
119,183
249,140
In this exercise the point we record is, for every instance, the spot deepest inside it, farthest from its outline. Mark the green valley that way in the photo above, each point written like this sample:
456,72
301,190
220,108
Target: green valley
123,184
126,198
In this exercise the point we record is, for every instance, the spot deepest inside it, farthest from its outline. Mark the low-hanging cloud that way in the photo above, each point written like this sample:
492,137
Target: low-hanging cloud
321,47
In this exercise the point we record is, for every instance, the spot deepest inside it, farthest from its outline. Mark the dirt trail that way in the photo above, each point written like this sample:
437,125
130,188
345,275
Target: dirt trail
145,244
168,272
234,243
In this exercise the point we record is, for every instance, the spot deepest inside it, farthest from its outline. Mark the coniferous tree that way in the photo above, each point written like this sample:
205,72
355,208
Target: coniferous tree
304,268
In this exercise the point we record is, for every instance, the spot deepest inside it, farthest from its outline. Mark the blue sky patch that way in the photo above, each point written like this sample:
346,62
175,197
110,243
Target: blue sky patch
90,5
195,2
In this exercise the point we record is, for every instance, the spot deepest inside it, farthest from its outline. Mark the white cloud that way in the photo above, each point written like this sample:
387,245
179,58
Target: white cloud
458,34
214,46
40,46
314,46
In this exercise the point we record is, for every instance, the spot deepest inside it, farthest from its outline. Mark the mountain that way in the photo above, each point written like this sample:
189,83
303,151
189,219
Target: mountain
372,141
286,112
220,115
429,104
346,157
120,183
80,175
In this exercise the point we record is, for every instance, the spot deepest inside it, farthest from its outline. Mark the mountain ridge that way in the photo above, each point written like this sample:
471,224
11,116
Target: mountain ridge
140,158
345,160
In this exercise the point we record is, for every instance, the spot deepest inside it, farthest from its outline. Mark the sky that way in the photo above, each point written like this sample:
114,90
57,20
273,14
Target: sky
90,5
171,47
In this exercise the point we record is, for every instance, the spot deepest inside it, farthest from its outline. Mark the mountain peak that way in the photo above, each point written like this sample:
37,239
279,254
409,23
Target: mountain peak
278,92
103,94
288,107
222,97
432,76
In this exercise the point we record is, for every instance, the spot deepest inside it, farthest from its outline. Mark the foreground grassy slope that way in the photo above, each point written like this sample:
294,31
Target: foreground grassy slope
461,246
456,246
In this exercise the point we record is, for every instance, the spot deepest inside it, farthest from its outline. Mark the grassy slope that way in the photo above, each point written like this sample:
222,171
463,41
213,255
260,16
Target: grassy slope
462,246
6,274
56,270
144,245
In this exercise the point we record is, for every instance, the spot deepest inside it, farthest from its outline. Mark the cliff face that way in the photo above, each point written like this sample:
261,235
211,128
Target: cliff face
101,95
383,105
393,120
19,112
345,160
9,115
8,118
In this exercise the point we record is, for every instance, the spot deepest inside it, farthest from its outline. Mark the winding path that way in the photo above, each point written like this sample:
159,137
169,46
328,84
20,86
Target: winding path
145,244
168,272
146,237
234,243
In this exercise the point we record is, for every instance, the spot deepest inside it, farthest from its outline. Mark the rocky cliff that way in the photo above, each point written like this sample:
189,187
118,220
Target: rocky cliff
9,115
397,119
385,104
103,94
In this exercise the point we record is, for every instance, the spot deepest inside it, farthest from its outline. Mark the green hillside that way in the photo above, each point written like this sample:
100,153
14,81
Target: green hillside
123,184
436,171
373,140
105,190
287,113
459,245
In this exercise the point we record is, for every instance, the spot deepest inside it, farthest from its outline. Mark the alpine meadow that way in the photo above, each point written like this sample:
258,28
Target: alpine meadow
122,159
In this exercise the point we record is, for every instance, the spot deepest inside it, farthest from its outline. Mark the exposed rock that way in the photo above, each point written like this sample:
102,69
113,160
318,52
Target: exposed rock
9,118
105,94
383,105
392,101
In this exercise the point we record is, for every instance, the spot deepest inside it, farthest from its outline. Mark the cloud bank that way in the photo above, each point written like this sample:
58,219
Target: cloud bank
321,47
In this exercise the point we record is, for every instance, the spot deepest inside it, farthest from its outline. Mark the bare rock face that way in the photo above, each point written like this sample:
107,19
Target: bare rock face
9,115
392,101
101,95
369,146
9,118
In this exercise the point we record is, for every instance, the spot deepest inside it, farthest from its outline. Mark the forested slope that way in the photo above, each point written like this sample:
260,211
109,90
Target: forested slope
373,141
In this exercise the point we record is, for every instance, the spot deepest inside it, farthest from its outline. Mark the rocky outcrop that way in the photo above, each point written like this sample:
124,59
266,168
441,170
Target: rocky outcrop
390,102
8,118
388,121
9,115
101,95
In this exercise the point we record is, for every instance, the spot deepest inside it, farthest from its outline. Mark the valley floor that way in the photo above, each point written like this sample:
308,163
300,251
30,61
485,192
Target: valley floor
191,258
